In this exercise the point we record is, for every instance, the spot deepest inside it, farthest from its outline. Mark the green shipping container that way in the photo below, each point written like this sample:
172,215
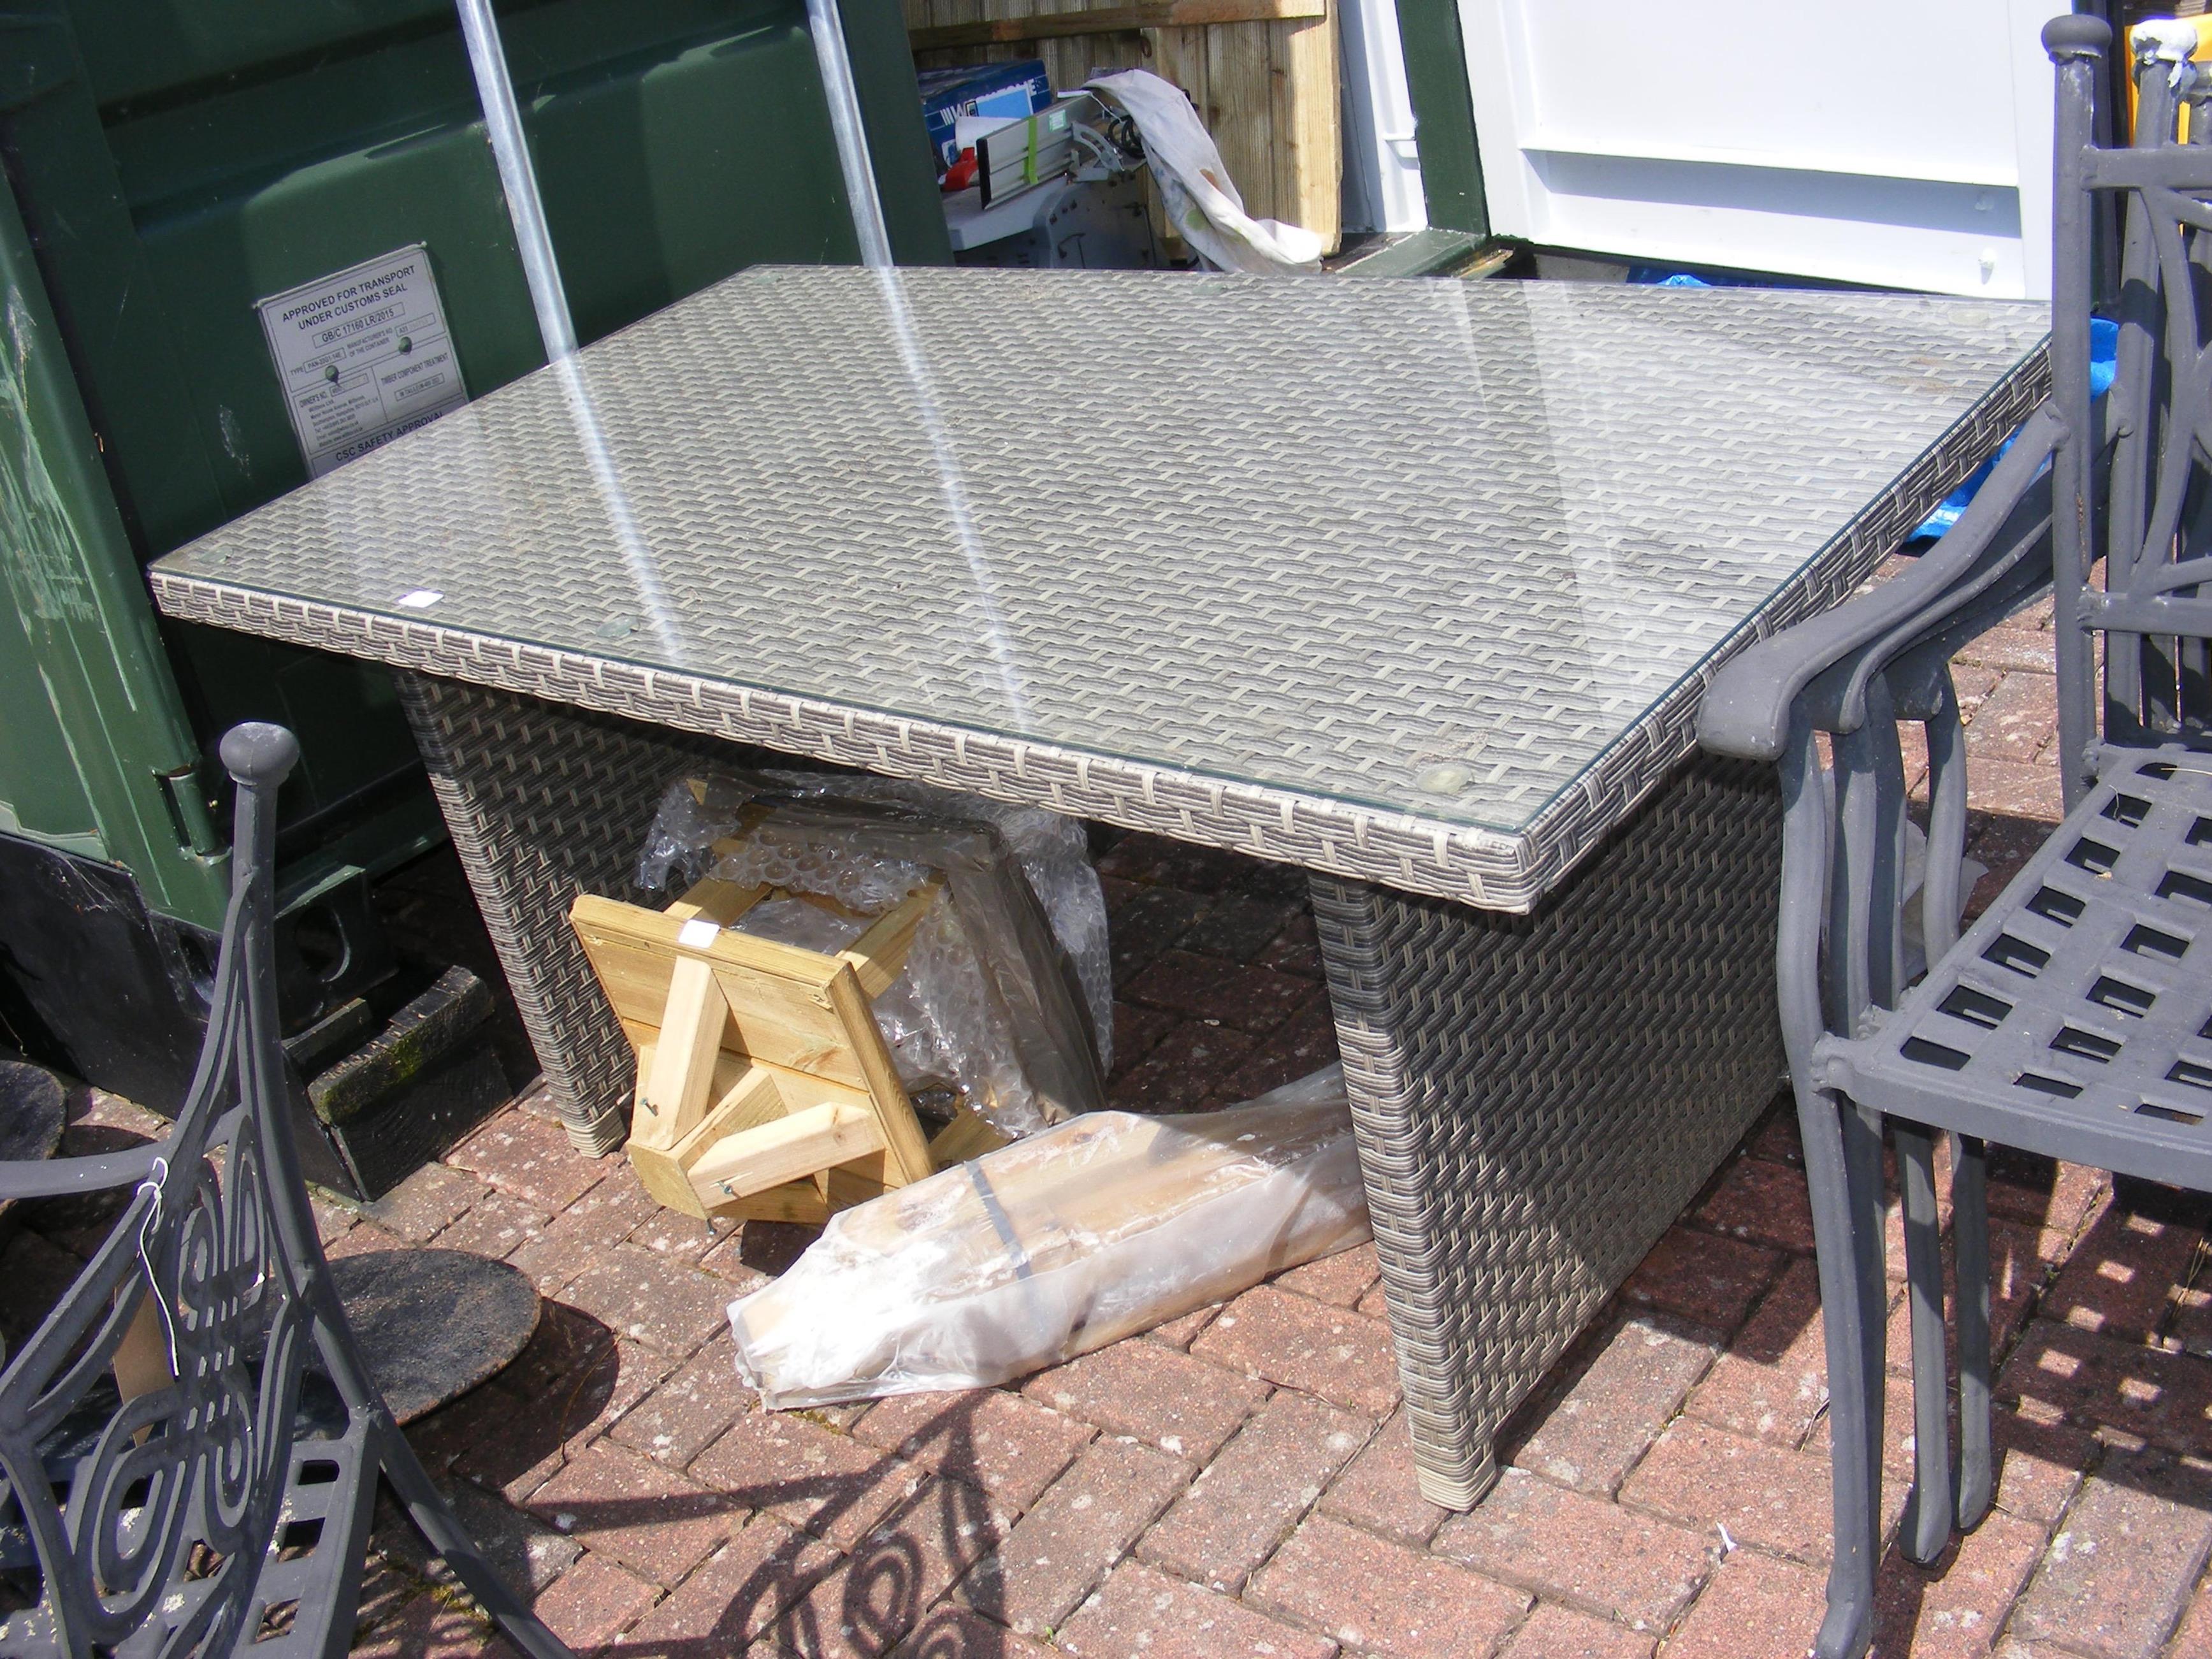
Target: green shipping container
171,163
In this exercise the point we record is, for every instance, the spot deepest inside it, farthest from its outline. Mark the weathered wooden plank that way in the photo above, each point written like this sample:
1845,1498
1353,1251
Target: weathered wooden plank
1309,155
879,954
1240,111
967,1136
1109,20
906,1154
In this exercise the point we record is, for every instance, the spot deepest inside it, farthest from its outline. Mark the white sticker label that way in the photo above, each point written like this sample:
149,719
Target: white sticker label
697,933
364,356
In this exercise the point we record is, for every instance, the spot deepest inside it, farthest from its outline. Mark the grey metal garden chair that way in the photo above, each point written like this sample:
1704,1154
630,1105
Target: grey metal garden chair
2072,1019
190,1442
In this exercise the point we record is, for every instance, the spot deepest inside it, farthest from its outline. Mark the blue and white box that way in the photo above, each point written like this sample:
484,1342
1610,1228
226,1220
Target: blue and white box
1008,92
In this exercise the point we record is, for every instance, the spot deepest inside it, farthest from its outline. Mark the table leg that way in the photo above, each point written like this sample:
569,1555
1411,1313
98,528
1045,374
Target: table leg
544,803
1537,1097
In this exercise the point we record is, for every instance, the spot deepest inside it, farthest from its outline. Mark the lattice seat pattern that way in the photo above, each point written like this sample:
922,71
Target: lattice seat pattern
2079,1004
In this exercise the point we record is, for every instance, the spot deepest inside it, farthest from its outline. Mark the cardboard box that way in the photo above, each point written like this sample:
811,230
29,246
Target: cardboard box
1005,91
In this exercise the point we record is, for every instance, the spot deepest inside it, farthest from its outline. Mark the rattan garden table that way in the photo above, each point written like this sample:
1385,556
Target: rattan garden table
1413,584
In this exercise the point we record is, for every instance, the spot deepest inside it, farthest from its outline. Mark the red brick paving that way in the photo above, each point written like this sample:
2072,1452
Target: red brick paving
1097,1504
2117,1575
1565,1547
1009,1445
1755,1608
1087,1523
1772,1384
1140,1611
1152,1393
1290,1340
1381,1490
1232,1516
1556,1632
1634,1384
1380,1597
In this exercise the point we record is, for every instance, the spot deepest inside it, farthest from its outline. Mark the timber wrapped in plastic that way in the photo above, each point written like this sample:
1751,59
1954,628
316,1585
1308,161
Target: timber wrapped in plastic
1057,1244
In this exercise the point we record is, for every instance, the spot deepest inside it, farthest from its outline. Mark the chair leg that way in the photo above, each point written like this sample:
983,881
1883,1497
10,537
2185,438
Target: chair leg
1970,1246
1833,1131
434,1518
1928,1514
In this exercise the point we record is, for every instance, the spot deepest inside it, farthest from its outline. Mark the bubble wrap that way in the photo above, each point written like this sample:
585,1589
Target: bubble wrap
948,1020
1055,855
937,1018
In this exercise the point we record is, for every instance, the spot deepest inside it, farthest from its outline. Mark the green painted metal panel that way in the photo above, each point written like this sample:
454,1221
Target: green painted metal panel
175,160
91,717
1444,114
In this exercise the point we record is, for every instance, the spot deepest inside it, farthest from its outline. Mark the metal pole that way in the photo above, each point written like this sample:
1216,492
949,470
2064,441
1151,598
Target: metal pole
829,32
518,178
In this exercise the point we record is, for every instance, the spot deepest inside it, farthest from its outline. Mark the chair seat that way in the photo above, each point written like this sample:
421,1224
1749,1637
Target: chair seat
2071,1020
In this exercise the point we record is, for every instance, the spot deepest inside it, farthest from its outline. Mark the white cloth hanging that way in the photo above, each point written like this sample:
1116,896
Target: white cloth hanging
1202,198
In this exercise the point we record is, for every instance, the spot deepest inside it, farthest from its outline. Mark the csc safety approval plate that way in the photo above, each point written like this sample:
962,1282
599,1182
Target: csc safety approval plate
364,356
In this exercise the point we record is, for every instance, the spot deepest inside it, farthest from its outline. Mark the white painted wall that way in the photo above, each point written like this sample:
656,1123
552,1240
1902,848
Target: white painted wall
1905,142
1382,163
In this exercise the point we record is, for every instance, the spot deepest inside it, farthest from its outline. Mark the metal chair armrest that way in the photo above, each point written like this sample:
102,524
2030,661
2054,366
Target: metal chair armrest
1746,710
61,1178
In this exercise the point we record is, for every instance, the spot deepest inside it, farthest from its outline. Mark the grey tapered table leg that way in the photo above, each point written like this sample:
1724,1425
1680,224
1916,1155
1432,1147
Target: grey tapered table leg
1537,1097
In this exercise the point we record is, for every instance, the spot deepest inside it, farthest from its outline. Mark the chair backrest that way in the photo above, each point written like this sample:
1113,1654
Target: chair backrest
148,1427
2138,482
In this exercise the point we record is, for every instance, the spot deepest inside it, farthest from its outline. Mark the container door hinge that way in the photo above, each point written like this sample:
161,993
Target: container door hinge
191,814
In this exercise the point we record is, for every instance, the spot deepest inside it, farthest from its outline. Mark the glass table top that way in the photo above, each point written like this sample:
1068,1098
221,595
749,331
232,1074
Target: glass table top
1428,546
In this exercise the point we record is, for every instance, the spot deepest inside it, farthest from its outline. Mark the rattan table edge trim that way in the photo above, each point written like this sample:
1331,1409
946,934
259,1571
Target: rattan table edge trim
1488,868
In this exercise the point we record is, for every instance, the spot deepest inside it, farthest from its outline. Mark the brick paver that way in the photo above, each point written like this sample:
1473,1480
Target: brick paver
1553,1631
1766,1495
633,1511
2119,1573
1142,1611
1671,1474
1953,1609
736,1595
806,1473
1773,1381
1756,1607
1344,1356
1064,1546
1152,1392
1383,1597
1568,1546
1380,1490
1011,1446
681,1416
1710,1279
1233,1515
1633,1386
1763,1202
879,1593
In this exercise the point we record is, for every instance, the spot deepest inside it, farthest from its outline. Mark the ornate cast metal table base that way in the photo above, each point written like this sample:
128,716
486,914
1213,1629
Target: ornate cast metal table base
1537,1096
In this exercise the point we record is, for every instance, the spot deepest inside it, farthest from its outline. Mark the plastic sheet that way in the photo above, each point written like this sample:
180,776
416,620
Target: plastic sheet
1055,855
1003,995
1057,1245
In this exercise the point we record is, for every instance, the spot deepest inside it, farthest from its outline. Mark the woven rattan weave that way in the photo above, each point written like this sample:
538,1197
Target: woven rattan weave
1537,1097
1416,582
1414,585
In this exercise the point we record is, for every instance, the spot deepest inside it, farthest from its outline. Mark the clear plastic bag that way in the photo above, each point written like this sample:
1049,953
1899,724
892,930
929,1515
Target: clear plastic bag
1089,1232
994,1008
1055,855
